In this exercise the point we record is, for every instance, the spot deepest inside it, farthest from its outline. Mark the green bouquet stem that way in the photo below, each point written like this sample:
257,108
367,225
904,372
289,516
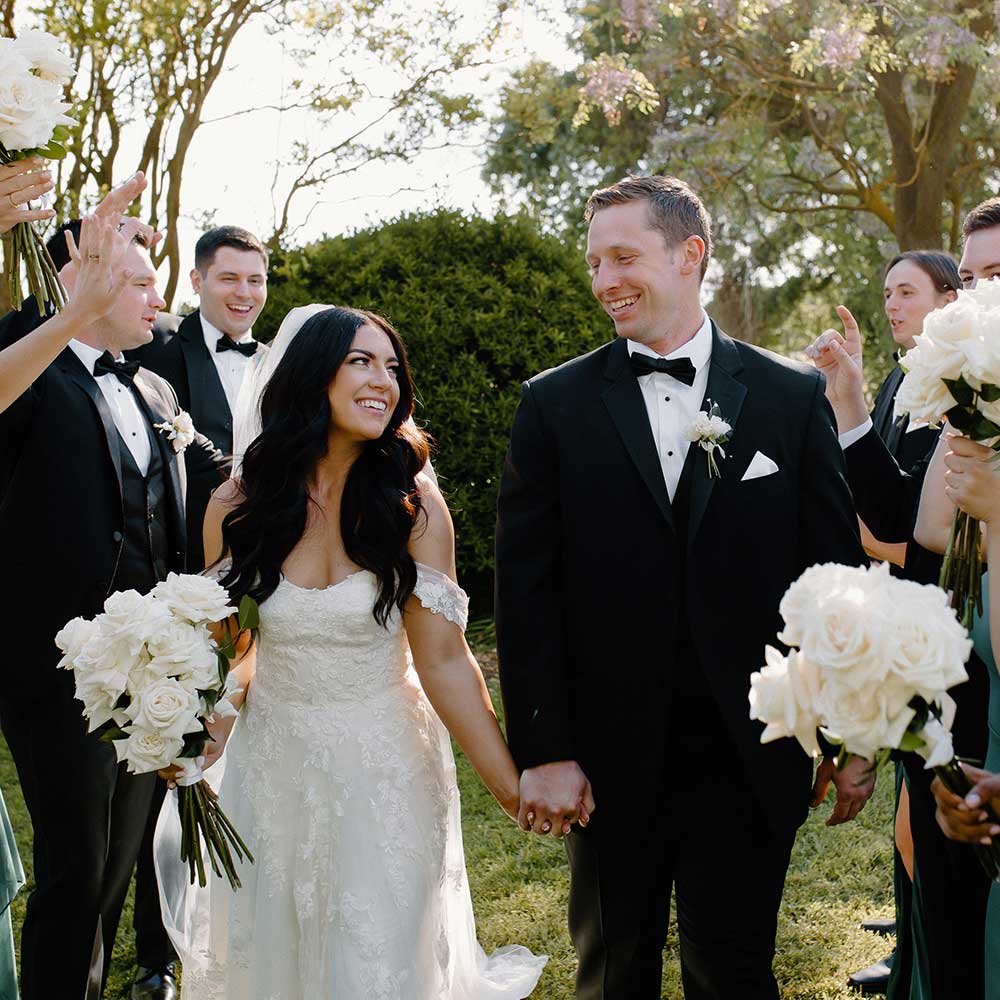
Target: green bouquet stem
957,782
962,570
201,818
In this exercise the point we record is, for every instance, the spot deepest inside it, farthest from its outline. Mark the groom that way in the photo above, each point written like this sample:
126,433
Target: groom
635,595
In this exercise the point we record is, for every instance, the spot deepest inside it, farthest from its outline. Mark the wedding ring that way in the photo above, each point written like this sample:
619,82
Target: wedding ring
93,256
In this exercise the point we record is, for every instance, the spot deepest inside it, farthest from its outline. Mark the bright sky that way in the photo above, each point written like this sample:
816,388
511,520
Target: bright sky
230,167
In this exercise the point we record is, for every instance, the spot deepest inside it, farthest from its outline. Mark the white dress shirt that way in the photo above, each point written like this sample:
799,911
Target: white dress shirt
124,409
855,434
672,405
231,365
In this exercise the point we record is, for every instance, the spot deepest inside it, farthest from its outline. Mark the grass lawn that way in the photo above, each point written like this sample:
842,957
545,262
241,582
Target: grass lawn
837,878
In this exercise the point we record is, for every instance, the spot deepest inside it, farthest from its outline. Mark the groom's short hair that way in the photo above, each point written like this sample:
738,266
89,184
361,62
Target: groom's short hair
674,208
985,215
225,236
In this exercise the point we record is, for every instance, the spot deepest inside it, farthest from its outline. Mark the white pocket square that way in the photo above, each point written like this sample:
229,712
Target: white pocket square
760,466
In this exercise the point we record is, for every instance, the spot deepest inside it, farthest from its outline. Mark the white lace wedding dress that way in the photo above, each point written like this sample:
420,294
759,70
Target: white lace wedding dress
340,777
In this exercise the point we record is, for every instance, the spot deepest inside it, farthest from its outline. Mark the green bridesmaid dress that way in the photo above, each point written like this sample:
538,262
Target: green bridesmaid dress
981,640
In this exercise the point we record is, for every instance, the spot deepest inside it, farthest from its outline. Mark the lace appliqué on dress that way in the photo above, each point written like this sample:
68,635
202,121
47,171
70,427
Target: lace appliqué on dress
440,594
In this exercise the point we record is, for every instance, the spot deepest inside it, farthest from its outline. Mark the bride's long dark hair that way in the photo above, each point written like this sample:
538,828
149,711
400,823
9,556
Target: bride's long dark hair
380,503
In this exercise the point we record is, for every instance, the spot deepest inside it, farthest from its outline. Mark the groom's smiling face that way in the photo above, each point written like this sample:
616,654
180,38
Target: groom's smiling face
635,276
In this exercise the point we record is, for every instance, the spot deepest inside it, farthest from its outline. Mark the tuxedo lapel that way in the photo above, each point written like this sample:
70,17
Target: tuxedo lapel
204,385
71,366
623,398
725,390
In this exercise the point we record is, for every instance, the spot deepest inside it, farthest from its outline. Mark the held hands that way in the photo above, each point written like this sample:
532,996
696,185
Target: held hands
839,358
855,783
963,819
972,479
553,797
20,183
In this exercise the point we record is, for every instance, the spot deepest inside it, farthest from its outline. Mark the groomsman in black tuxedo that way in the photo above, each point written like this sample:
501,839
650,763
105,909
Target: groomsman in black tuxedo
635,595
91,502
207,354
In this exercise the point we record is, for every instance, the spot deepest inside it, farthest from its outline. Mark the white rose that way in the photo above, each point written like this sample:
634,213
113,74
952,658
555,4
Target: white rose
927,646
865,720
73,637
41,50
146,750
985,294
99,686
700,427
803,599
30,107
783,695
130,619
185,650
717,427
166,707
196,599
954,323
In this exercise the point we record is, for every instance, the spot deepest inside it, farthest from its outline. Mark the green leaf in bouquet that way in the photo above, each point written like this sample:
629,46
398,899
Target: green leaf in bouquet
960,418
52,151
60,133
984,428
226,648
910,742
989,393
961,391
112,732
194,744
249,615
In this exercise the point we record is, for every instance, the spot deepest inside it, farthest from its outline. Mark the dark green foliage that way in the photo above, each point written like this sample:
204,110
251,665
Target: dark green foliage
481,305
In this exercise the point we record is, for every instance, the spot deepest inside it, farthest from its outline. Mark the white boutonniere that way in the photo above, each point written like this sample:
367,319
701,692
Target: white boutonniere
180,430
710,432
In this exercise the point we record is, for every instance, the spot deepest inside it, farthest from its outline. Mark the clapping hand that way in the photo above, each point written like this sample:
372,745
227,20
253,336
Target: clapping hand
554,797
116,202
839,358
21,181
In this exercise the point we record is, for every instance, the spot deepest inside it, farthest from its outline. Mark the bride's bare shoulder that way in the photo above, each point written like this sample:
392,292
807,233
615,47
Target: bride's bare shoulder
228,495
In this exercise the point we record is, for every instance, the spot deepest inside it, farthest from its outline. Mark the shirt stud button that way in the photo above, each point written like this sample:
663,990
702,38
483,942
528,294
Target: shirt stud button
666,399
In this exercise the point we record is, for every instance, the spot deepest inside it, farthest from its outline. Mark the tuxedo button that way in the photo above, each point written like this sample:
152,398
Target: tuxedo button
117,537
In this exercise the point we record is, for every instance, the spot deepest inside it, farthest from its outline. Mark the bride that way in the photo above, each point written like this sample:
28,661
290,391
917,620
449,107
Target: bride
339,772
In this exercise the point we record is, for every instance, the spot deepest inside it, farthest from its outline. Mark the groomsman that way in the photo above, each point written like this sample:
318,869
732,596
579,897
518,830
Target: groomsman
206,355
91,502
633,603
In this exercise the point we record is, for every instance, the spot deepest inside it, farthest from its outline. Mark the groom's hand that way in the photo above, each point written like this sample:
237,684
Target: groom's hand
553,797
855,783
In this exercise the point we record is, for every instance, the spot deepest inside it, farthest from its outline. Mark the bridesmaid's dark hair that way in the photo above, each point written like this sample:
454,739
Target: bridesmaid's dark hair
940,267
380,502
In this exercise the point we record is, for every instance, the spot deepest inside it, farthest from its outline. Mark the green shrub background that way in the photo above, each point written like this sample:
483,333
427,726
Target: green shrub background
482,304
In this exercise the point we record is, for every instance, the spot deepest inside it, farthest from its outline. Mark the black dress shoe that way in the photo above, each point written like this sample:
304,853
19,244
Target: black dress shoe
155,984
885,927
872,981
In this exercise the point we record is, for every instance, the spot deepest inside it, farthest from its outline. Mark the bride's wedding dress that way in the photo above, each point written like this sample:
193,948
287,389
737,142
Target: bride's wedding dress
340,777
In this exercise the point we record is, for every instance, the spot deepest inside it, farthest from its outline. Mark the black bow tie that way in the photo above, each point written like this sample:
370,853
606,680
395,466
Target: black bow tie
679,368
124,371
224,343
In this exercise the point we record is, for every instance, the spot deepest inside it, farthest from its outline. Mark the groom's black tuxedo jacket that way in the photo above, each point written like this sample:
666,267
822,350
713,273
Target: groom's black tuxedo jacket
61,510
596,598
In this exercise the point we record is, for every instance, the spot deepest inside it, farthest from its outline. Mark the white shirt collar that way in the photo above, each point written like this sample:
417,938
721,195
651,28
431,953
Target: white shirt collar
212,334
698,348
87,354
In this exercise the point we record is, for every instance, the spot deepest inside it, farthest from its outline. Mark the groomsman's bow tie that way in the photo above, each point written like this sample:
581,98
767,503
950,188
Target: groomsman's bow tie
679,368
224,343
124,371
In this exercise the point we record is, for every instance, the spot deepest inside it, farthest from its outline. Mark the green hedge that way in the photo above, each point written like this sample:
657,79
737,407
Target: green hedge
481,305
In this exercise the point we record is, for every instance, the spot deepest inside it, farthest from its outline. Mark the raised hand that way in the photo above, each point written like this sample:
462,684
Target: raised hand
840,360
553,797
855,783
99,271
21,182
115,204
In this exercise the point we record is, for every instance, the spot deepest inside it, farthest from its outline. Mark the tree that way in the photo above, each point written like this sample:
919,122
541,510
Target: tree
829,130
146,69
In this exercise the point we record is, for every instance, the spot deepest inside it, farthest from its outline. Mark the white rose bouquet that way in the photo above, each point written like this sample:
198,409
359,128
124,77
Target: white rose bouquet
870,663
953,374
34,73
151,677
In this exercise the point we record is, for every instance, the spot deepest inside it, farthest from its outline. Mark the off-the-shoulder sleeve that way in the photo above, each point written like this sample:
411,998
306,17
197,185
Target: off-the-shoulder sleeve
440,594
